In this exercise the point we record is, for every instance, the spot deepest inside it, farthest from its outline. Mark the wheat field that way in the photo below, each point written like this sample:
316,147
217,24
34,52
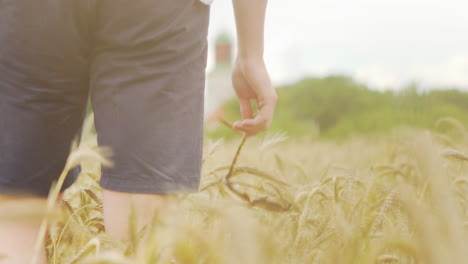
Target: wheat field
394,198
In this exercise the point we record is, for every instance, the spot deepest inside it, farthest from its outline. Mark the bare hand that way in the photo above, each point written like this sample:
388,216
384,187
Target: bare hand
252,82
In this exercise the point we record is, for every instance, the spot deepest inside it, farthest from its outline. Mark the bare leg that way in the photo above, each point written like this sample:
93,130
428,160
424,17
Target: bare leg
118,207
19,230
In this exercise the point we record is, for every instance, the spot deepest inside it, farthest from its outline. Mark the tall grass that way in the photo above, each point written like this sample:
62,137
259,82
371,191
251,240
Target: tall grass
395,198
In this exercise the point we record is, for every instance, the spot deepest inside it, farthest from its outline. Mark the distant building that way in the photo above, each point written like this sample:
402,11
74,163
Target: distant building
218,84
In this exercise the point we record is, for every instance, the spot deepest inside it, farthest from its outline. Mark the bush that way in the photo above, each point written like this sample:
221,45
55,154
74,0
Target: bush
338,107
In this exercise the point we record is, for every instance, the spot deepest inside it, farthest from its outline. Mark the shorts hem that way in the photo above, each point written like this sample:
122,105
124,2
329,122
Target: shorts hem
39,191
28,192
145,188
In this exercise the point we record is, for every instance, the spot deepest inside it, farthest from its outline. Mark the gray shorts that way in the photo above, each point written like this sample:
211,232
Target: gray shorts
142,63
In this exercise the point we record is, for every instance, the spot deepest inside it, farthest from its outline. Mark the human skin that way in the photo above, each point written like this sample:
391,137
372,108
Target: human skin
251,83
19,230
250,77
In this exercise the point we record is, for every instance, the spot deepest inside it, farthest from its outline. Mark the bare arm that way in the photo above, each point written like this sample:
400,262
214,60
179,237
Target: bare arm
250,77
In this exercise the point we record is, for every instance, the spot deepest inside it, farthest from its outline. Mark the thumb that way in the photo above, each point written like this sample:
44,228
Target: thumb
246,111
245,108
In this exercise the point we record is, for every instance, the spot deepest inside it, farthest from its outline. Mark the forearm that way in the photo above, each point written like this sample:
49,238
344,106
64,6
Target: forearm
250,21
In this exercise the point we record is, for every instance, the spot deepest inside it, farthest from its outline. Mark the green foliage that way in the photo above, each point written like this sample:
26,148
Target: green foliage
338,107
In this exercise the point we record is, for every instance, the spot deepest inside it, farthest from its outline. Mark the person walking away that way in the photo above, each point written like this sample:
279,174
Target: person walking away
142,63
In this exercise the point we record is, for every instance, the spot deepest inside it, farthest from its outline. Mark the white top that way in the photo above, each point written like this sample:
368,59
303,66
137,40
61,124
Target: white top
206,2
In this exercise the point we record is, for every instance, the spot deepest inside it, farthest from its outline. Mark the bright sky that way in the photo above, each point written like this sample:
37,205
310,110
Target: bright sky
383,43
